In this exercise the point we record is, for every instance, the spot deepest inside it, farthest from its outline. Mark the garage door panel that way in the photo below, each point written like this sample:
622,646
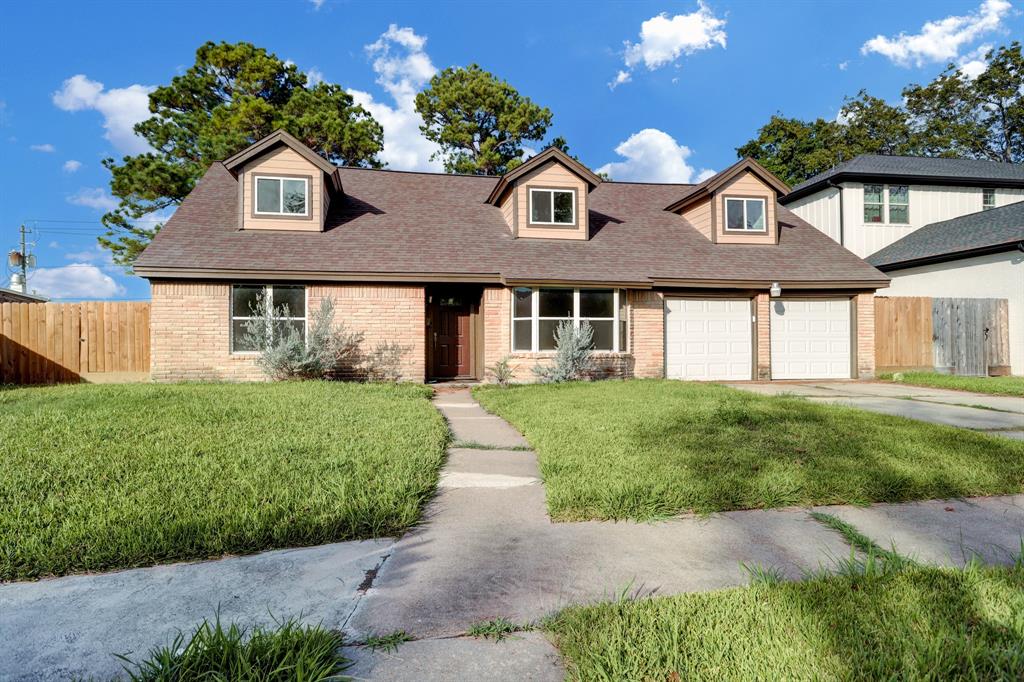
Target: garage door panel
709,339
810,339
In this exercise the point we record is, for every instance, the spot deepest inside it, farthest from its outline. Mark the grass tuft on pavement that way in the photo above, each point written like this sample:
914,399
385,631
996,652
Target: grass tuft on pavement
287,653
914,623
1008,385
648,449
114,476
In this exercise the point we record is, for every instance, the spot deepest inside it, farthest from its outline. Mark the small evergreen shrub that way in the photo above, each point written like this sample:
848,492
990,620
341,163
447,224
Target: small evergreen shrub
573,361
502,372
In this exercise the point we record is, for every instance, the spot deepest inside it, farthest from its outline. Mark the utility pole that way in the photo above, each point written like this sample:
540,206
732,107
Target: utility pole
20,261
24,261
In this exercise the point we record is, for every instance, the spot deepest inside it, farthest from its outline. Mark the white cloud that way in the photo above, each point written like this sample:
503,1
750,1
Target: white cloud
652,155
664,40
844,65
121,109
973,64
96,253
93,197
314,77
940,40
403,68
72,166
317,4
77,280
45,148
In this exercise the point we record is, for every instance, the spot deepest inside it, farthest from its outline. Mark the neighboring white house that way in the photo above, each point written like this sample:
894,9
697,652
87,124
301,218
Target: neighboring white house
980,255
872,201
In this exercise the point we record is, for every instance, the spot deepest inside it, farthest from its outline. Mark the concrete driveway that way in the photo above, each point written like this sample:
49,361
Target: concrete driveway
998,415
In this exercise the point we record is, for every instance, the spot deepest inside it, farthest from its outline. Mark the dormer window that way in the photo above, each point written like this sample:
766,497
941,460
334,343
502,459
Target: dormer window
282,196
744,215
553,206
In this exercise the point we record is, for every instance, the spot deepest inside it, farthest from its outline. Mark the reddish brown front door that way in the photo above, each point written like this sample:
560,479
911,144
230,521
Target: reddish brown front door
450,336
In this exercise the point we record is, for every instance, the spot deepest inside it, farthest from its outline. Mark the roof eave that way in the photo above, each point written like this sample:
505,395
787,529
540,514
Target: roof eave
857,176
1015,244
549,154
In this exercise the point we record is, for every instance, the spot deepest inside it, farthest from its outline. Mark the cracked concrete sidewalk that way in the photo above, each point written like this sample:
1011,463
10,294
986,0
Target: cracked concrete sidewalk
486,549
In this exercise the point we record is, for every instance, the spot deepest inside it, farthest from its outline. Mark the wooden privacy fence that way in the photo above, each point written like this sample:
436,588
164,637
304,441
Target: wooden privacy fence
968,336
43,343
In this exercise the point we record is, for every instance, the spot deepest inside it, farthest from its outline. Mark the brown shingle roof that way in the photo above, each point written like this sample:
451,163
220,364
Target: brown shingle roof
392,224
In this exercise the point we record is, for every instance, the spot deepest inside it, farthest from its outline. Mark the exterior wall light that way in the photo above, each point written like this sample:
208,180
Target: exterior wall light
775,290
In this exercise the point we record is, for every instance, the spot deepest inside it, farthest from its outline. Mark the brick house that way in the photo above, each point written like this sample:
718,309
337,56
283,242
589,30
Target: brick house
707,281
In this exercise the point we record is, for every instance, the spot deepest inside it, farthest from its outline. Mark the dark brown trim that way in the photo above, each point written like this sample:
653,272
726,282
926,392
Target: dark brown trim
549,154
313,275
256,175
277,137
764,285
716,181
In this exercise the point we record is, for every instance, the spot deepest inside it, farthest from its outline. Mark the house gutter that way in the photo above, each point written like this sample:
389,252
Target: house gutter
842,212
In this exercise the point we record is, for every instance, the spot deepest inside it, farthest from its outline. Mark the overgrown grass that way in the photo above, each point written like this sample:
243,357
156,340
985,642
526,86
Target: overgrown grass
649,449
1009,385
914,623
105,477
287,653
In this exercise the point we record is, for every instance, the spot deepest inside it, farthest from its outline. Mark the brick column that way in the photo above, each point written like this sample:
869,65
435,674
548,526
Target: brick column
647,332
865,335
762,332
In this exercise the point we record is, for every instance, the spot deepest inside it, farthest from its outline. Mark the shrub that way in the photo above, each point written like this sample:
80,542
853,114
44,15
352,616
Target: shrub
573,361
284,354
502,372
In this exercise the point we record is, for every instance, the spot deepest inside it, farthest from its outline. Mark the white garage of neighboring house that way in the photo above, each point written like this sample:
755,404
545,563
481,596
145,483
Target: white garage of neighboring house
979,255
714,339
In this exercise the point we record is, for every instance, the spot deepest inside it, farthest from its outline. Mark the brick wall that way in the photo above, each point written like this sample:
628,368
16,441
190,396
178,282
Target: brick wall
190,324
763,315
865,335
647,333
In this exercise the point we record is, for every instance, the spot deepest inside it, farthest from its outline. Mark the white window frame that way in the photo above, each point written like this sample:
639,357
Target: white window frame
535,319
987,192
551,191
744,200
268,293
280,195
885,203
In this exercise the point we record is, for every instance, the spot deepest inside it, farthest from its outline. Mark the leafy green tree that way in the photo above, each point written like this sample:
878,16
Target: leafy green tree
953,116
232,96
479,121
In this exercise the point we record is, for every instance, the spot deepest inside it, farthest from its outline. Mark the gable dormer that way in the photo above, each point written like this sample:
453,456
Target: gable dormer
547,197
737,206
283,185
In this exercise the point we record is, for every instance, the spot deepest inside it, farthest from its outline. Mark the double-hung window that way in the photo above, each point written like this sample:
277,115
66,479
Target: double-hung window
537,312
282,196
552,206
887,203
744,215
248,301
988,198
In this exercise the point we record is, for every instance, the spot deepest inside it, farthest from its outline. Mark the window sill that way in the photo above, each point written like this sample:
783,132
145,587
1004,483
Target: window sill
522,354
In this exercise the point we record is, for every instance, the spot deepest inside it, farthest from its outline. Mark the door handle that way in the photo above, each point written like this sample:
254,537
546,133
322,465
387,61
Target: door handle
435,338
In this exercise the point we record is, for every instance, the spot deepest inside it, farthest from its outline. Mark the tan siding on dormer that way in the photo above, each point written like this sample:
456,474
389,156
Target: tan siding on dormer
507,208
282,161
746,185
552,175
699,215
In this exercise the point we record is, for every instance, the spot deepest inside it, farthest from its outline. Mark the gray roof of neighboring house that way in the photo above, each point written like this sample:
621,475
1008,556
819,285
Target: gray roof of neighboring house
390,223
921,169
989,231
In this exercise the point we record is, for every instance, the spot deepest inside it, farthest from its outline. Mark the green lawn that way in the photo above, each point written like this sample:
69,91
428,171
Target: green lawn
647,449
920,623
104,477
1013,386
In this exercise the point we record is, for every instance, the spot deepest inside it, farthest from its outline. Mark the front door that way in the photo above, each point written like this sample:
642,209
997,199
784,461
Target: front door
449,335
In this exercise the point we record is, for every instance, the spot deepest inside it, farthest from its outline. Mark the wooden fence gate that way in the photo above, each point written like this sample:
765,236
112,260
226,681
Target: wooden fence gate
45,343
969,336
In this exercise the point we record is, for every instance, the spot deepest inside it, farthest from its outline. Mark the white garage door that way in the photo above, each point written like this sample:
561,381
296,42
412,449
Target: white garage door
810,339
708,339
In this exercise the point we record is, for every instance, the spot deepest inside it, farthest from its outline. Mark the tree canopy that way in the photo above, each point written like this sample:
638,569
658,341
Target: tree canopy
479,121
234,95
953,116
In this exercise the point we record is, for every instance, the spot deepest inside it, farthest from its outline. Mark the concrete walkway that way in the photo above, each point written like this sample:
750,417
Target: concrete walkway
998,415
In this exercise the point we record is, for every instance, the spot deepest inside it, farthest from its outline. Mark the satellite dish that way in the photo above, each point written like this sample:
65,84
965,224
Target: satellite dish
30,260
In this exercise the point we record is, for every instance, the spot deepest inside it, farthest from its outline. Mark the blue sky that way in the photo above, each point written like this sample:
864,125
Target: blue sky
655,91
